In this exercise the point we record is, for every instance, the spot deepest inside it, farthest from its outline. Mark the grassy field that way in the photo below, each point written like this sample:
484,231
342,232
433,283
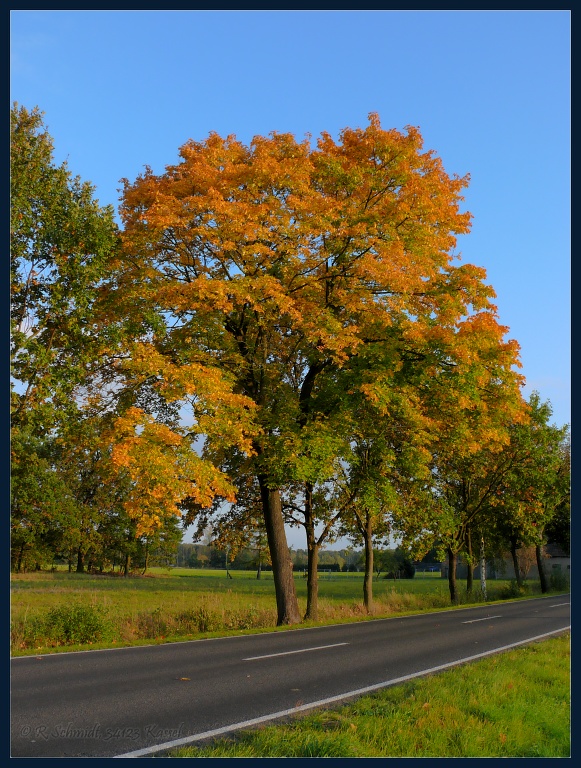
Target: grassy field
66,611
516,704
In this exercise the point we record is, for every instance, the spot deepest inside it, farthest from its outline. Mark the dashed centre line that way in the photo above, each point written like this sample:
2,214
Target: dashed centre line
487,618
558,605
288,653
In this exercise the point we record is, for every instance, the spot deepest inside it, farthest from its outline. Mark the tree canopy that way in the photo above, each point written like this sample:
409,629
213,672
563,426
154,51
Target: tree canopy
281,329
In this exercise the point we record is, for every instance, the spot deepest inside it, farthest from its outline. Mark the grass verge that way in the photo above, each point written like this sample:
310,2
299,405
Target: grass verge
515,704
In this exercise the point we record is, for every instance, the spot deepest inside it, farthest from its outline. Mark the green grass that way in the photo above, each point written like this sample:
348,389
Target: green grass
181,604
515,704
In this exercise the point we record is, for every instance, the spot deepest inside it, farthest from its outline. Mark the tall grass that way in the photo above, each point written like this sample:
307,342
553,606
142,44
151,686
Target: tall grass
186,604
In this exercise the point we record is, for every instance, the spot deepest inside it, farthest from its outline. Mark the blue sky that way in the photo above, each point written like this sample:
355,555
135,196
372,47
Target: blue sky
489,91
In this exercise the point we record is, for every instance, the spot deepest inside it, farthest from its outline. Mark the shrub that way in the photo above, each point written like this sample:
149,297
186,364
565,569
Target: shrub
514,589
75,624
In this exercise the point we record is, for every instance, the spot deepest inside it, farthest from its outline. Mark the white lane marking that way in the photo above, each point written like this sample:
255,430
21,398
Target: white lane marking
288,653
331,700
558,605
485,619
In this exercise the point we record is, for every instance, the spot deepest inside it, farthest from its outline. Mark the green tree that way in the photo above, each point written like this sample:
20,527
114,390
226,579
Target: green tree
538,484
61,242
558,530
41,503
387,452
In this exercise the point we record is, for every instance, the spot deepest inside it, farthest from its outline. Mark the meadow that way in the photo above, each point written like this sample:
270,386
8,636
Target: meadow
55,611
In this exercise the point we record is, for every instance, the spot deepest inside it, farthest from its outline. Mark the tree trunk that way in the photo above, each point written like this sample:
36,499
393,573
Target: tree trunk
470,566
80,561
312,558
452,560
541,567
368,577
483,569
312,612
20,557
145,560
282,567
126,564
515,562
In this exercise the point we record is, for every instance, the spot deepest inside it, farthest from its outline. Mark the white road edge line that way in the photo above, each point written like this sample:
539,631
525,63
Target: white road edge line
288,653
331,700
473,621
558,605
279,631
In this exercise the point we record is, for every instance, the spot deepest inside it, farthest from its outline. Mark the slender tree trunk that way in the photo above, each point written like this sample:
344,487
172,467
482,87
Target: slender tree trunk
515,562
259,569
126,564
312,558
452,561
145,560
470,569
282,567
312,612
541,567
368,577
20,557
80,561
483,569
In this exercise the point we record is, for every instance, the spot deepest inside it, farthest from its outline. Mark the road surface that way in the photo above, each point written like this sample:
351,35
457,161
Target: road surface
130,702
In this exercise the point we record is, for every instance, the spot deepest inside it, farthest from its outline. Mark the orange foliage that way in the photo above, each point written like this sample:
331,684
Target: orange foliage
163,469
278,262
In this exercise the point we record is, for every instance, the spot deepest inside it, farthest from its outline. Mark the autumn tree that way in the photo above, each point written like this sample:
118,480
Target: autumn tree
273,265
473,404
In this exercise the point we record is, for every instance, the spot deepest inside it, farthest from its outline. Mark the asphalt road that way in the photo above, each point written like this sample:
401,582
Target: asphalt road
130,702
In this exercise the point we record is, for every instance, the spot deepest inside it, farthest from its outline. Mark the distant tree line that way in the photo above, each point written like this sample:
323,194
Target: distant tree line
390,563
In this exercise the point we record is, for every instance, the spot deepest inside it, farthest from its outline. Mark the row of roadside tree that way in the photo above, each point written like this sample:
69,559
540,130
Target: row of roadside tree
274,334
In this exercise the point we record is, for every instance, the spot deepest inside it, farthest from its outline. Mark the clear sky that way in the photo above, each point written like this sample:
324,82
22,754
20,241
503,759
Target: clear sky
489,91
